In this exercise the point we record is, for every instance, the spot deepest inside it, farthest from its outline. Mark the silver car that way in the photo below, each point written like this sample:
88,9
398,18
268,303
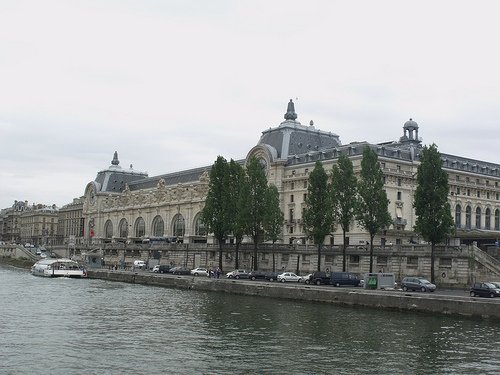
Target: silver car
417,283
289,277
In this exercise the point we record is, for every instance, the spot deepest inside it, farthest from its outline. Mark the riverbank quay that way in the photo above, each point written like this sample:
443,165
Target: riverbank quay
472,307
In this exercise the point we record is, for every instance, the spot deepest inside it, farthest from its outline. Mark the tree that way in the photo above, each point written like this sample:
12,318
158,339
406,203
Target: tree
273,218
434,221
215,213
372,213
318,216
253,205
344,198
235,186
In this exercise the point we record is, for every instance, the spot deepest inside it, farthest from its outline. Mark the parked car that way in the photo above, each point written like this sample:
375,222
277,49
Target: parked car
345,278
484,290
271,276
199,272
164,268
496,283
181,271
254,275
237,274
289,277
139,264
156,268
319,278
417,283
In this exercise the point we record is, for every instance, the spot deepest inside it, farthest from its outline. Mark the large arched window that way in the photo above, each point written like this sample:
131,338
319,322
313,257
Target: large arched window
497,219
178,226
478,218
487,219
458,216
123,228
158,227
108,229
199,226
140,227
468,217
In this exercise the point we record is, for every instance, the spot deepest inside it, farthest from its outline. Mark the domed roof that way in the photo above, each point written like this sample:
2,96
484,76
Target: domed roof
410,124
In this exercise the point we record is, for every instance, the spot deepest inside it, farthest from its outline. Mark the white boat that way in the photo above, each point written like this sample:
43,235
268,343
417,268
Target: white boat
61,267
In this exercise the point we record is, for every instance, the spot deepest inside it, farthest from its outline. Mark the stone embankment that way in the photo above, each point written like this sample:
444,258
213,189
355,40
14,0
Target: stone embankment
386,299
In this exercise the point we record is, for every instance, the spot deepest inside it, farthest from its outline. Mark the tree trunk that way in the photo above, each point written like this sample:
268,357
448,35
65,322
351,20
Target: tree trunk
220,255
371,253
237,256
274,260
255,265
319,257
343,252
433,245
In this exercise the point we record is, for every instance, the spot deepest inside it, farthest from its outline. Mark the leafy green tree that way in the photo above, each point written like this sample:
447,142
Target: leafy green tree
253,205
344,198
235,187
434,221
273,218
216,212
372,214
318,216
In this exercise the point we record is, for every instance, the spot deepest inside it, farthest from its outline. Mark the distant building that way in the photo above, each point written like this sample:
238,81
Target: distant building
124,205
70,225
10,224
38,225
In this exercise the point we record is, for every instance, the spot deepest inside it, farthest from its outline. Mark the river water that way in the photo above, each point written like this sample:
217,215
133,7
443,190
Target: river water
71,326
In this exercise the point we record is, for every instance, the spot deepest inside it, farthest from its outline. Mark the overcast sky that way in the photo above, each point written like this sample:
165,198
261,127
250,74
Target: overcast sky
171,85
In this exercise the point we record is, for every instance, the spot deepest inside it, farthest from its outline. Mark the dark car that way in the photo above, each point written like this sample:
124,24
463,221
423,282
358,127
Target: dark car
319,278
181,271
484,290
164,268
271,276
417,283
254,275
345,278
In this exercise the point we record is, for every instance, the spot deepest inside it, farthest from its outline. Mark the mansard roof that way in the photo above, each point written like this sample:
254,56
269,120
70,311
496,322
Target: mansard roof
115,178
292,138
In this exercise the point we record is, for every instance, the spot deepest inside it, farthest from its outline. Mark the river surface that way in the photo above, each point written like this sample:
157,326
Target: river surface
71,326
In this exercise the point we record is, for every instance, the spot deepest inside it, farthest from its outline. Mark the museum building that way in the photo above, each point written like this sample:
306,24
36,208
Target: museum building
125,205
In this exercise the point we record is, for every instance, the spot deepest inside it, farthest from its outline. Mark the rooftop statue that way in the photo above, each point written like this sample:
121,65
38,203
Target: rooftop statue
290,111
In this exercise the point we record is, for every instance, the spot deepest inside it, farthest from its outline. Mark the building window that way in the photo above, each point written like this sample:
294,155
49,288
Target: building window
399,182
458,191
398,167
457,177
487,195
123,228
487,219
291,198
445,262
290,215
468,192
140,227
382,261
468,217
478,194
478,218
158,226
292,186
305,198
399,195
178,226
458,216
412,262
108,229
497,219
354,259
305,184
285,257
199,227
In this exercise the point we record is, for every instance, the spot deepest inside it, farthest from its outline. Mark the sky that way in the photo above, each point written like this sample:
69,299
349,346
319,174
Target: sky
170,85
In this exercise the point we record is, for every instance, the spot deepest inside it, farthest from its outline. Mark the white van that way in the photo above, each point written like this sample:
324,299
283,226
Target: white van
140,264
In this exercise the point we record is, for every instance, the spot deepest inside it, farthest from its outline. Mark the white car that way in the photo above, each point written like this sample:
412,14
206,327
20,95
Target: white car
156,268
289,277
199,272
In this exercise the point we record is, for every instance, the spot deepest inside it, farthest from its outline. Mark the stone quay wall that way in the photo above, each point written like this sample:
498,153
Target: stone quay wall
386,299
